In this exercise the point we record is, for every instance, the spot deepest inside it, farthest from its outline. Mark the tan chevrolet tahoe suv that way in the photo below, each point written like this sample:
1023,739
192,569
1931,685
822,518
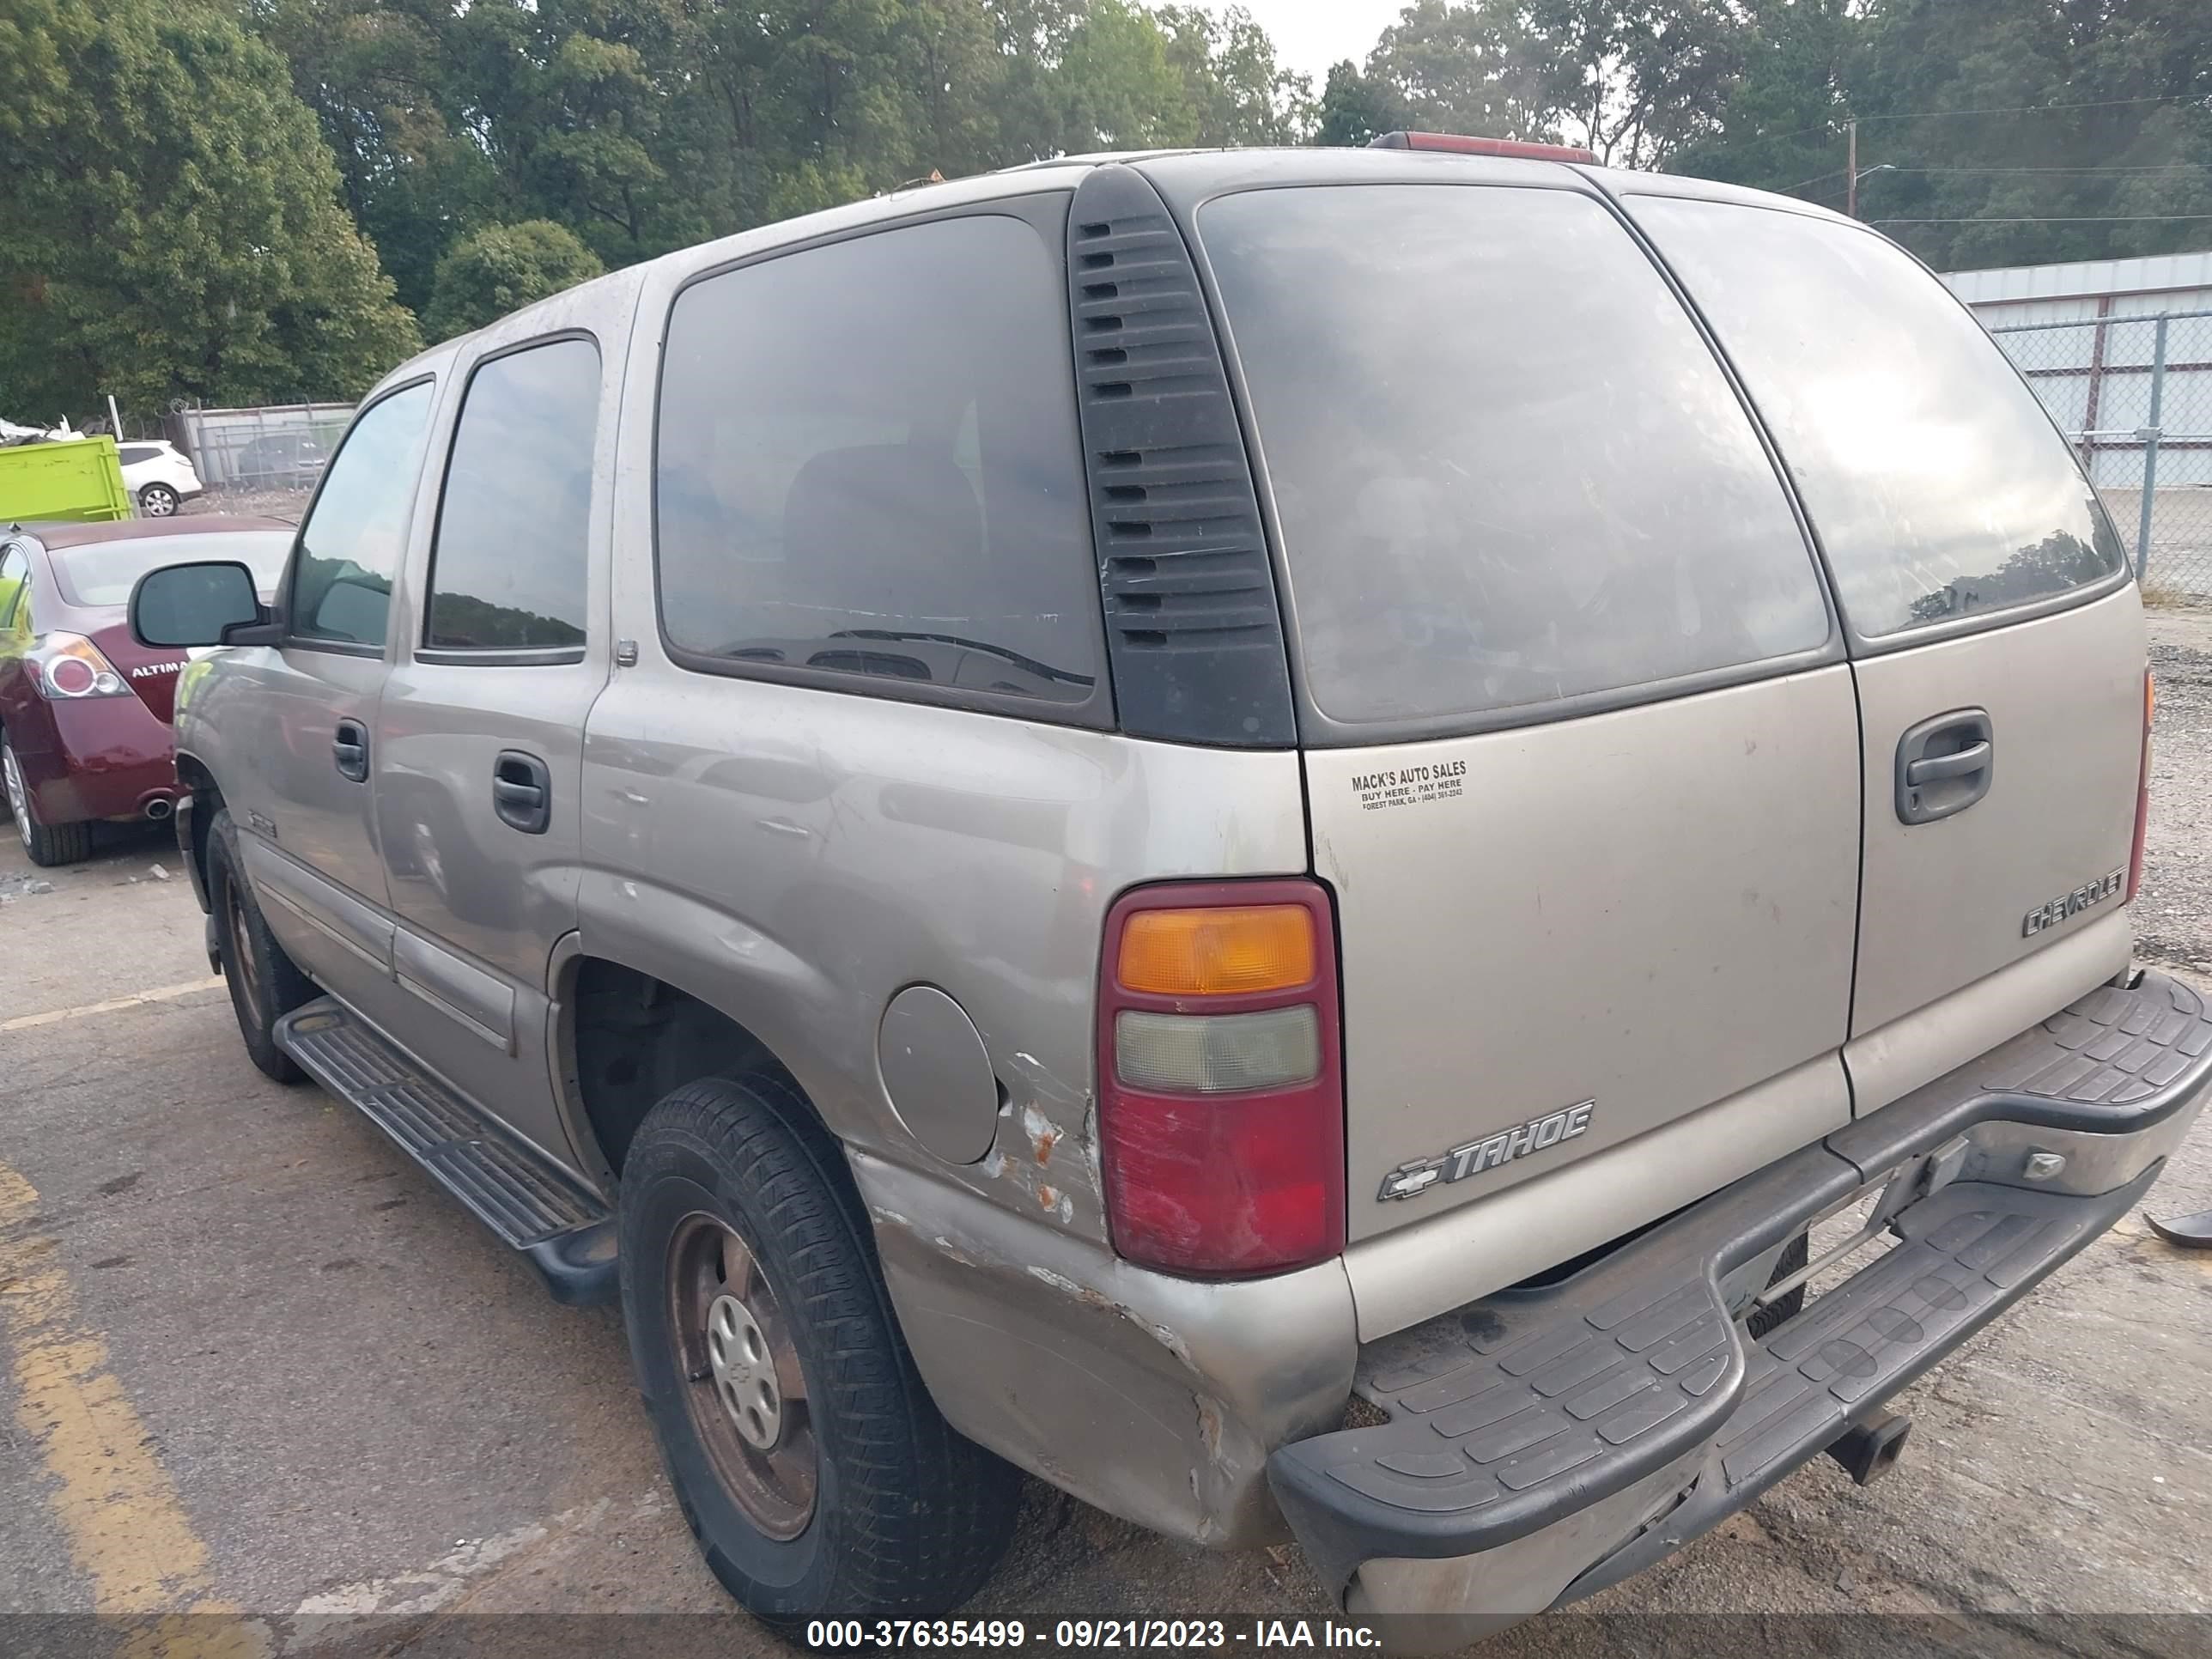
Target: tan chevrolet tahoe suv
1256,831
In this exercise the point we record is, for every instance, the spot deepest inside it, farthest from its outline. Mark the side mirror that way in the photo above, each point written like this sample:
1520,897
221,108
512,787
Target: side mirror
205,603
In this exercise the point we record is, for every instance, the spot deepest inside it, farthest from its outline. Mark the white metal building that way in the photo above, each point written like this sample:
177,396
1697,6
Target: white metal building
2090,288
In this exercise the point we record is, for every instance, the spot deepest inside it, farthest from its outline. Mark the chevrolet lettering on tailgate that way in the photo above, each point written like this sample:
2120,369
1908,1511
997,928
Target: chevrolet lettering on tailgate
2067,906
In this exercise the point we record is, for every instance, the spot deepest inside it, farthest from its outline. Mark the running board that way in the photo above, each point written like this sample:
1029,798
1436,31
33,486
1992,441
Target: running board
528,1200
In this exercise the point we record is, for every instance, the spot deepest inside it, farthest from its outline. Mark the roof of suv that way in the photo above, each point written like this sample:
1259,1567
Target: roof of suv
1185,176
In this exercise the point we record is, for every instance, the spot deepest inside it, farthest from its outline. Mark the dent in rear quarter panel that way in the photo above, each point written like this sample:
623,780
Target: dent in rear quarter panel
797,856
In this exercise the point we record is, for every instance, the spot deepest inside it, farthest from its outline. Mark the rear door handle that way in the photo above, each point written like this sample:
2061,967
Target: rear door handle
349,750
1944,765
522,792
1960,763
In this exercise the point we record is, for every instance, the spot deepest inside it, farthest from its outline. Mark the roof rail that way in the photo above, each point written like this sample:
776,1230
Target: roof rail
1520,148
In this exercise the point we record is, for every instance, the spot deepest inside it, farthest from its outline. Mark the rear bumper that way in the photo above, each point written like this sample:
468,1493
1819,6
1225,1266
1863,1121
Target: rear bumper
1538,1446
107,758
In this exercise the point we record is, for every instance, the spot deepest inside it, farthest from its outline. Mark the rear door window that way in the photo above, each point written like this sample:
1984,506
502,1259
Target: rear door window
868,470
1936,484
508,569
1507,470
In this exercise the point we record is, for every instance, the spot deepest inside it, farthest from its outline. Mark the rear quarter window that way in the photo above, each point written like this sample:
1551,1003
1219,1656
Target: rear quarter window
1507,470
1936,484
868,471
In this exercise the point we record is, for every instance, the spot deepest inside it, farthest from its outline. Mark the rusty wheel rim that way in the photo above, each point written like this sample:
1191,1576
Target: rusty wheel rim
743,1384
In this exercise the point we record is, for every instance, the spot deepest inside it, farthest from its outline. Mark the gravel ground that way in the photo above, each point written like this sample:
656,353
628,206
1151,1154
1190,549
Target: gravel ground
2173,913
289,505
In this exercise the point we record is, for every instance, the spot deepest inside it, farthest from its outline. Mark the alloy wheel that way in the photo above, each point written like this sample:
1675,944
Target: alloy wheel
19,802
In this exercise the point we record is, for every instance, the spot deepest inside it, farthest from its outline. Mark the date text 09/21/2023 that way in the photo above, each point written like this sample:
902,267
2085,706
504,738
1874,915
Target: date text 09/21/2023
1090,1633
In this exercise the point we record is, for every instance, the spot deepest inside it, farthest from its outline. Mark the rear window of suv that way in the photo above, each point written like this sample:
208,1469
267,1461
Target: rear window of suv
1937,485
1507,470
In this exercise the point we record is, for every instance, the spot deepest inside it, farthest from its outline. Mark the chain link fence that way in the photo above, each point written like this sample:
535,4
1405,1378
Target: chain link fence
2134,397
255,451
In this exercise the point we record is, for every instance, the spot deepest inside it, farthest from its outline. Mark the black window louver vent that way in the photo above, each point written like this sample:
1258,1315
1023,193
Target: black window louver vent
1192,625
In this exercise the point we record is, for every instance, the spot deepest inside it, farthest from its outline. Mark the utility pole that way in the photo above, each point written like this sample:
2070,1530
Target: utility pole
1851,191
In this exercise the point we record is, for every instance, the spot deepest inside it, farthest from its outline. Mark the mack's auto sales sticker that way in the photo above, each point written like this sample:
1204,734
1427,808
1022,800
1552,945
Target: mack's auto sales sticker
1410,785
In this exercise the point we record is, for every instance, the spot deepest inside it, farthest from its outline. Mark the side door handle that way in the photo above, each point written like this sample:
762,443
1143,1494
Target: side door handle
1961,763
1944,765
349,750
522,792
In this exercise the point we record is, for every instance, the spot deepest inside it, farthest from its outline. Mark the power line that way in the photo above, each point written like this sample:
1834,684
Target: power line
2171,167
1829,127
1832,172
2078,219
2034,109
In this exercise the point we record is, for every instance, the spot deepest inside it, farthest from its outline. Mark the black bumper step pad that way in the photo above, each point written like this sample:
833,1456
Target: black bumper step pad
522,1195
1520,1427
1523,1408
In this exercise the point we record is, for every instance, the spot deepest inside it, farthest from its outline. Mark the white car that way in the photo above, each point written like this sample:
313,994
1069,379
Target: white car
159,478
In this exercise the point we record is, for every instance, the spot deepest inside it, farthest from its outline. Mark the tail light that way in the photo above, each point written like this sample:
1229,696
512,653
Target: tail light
67,666
1220,1103
2142,792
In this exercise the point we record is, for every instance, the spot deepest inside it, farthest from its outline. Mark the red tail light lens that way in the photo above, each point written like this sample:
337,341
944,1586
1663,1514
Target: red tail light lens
2142,792
1220,1099
66,666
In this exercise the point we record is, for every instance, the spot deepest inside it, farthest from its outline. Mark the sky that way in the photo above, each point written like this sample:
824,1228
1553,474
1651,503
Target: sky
1311,34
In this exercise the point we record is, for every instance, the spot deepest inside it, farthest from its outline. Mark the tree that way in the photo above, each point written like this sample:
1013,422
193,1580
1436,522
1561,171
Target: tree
1231,78
501,268
1357,109
1121,92
1781,122
388,83
173,222
1632,79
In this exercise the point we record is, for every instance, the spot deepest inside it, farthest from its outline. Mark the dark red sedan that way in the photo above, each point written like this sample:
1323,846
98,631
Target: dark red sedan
84,709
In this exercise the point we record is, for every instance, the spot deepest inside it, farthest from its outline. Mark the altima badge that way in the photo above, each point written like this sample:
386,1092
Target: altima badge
1539,1134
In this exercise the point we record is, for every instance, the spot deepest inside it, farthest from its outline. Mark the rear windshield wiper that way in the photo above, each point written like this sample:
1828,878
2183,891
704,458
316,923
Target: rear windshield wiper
1043,670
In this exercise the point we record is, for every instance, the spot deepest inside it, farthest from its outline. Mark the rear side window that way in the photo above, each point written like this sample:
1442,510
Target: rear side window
357,531
104,573
1508,471
1937,484
868,466
131,454
508,570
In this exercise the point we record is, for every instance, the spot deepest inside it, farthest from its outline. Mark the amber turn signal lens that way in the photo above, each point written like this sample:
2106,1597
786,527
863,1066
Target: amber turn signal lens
1231,952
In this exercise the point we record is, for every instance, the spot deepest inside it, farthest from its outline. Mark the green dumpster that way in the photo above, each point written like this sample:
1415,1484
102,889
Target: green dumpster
79,478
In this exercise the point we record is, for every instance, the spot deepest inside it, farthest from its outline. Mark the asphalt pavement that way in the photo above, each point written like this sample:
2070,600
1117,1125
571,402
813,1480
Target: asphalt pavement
259,1377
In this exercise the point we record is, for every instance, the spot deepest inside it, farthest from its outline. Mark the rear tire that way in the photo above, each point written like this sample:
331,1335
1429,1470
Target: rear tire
899,1515
157,501
48,844
265,984
1794,1255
